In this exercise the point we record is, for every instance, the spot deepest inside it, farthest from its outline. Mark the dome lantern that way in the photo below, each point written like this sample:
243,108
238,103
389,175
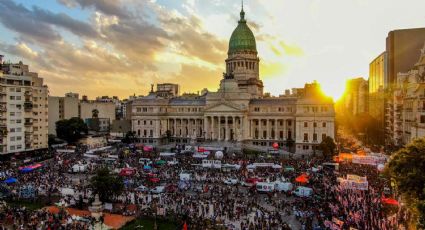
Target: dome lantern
242,38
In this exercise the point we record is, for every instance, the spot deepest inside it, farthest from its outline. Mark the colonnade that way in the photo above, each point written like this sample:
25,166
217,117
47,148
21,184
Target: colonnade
228,128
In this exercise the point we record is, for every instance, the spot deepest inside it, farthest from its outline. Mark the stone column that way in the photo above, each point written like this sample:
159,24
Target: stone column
157,128
235,134
252,129
269,129
227,128
276,133
175,127
260,129
212,128
206,128
219,127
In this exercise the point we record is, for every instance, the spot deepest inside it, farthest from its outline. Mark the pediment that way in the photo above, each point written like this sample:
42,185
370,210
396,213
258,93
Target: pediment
223,107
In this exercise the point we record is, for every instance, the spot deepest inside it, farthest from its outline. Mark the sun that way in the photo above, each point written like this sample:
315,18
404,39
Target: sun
333,90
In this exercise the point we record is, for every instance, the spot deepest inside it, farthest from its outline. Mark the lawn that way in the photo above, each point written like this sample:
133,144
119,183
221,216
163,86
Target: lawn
28,204
148,224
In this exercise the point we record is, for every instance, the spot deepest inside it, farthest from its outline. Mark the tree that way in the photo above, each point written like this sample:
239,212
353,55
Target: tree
94,124
328,147
70,130
106,185
130,137
52,140
406,169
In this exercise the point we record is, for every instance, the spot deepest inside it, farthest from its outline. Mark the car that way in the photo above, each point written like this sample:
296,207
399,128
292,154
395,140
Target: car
283,186
142,188
158,189
302,191
231,181
264,187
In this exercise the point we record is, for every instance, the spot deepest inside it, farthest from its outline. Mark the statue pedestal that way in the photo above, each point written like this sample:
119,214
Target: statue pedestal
96,208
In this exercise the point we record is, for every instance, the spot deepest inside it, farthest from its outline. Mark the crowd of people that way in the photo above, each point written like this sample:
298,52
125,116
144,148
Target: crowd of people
207,201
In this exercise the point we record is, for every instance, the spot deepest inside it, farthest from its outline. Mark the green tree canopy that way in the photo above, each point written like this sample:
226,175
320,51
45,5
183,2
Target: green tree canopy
70,130
130,137
106,185
407,170
328,147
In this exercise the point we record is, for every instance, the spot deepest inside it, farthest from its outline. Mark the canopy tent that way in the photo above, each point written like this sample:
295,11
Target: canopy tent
10,180
147,148
147,167
276,166
289,169
389,201
29,168
127,172
167,154
200,156
34,166
303,179
161,162
26,170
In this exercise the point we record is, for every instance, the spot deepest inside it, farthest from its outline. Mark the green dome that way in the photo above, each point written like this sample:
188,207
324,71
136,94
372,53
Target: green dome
242,38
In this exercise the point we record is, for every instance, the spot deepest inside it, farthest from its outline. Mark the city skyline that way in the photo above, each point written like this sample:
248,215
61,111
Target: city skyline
120,48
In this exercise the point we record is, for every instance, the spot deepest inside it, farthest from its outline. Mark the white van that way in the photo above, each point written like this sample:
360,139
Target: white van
264,187
303,191
78,168
145,161
283,186
158,190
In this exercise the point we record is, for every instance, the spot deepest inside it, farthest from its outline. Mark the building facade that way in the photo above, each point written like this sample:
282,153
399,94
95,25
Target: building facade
356,97
62,108
23,109
401,54
239,111
378,82
409,104
167,90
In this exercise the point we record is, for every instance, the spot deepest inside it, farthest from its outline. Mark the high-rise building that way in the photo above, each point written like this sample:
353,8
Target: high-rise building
378,81
402,52
403,49
355,99
409,104
23,109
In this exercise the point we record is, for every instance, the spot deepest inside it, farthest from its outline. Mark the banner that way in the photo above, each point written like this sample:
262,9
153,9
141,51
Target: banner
356,178
353,184
370,159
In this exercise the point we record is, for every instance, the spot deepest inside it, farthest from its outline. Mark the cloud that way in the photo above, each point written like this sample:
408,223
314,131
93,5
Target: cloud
109,7
115,52
19,19
64,21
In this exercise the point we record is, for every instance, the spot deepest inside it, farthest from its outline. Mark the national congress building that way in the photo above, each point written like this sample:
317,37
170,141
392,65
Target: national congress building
239,111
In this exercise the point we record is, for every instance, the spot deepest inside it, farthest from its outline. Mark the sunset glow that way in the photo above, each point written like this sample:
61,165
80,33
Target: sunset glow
121,47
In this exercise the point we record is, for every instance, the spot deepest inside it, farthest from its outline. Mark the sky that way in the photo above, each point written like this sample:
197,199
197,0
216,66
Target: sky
121,47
